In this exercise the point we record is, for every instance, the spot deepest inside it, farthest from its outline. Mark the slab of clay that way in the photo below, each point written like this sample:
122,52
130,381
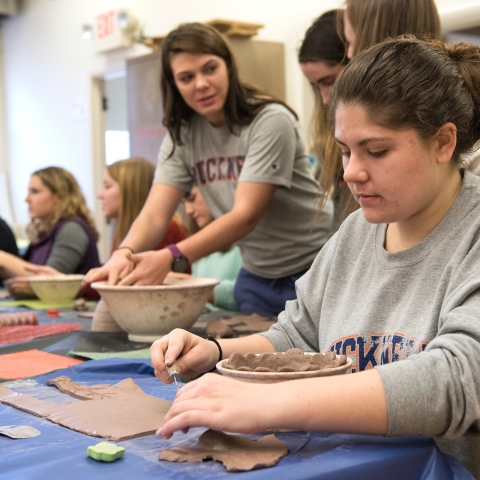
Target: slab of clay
225,327
237,453
245,319
218,329
293,360
117,412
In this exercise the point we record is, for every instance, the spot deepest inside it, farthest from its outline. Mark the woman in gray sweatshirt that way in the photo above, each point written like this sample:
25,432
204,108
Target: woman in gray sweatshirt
397,288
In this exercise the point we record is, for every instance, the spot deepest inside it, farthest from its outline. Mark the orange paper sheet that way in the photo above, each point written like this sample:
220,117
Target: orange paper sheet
32,362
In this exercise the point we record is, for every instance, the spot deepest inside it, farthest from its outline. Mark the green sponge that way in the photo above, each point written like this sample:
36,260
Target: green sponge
105,452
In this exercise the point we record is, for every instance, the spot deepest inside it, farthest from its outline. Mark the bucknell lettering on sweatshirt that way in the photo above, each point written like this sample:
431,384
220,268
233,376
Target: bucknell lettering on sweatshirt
218,169
376,349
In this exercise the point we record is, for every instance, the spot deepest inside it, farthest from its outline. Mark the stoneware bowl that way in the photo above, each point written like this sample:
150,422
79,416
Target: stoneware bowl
275,377
52,289
147,313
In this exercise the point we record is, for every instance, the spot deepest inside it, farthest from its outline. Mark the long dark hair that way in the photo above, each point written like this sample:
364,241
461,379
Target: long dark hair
322,43
373,21
243,102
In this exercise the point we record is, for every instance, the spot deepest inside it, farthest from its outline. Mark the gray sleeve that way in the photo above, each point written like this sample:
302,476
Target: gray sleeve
298,324
69,248
438,392
272,145
173,170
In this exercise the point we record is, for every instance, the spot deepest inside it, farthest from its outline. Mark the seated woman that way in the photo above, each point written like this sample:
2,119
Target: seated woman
397,288
223,265
126,185
62,233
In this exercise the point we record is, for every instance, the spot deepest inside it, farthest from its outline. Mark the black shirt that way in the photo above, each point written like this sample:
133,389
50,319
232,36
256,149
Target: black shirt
7,239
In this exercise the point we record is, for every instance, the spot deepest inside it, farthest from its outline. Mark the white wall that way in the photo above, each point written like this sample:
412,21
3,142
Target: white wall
48,66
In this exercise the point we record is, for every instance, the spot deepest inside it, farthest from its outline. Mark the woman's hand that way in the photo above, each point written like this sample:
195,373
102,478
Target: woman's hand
19,288
225,404
42,270
191,354
118,266
150,268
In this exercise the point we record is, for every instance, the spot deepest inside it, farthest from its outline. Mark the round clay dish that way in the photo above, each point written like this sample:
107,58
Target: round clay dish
275,377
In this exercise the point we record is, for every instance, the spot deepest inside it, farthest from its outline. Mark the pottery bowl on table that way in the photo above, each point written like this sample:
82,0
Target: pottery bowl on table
281,376
51,289
147,313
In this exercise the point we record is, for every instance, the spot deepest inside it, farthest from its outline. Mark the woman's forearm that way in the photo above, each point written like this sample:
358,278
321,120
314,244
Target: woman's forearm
12,266
353,403
151,224
251,200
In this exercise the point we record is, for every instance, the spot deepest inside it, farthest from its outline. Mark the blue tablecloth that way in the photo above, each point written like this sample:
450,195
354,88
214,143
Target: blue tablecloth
59,453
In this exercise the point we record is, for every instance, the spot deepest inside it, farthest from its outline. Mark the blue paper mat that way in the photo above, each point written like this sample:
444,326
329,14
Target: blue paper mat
59,453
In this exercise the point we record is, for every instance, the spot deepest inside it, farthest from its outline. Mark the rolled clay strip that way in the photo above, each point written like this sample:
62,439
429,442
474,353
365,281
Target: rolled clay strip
22,318
293,360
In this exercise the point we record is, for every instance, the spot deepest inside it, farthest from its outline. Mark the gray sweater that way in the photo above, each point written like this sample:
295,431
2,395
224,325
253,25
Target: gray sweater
69,248
421,306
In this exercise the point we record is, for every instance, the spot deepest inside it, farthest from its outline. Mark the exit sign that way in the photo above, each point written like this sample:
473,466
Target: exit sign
108,34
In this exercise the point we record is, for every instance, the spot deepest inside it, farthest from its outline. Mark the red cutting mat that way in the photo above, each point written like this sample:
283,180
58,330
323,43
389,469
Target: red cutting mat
32,362
25,333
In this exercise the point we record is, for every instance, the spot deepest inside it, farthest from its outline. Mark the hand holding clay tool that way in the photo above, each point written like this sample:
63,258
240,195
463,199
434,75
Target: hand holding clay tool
172,372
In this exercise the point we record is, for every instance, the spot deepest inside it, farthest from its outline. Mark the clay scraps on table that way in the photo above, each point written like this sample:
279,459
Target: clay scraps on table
80,305
20,318
225,327
293,360
117,412
236,452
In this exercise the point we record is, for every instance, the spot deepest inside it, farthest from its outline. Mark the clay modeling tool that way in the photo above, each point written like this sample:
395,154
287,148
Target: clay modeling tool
105,452
19,431
172,372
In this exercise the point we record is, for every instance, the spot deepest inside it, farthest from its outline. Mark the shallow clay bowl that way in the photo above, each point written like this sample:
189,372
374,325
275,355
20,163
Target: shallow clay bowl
150,312
56,288
275,377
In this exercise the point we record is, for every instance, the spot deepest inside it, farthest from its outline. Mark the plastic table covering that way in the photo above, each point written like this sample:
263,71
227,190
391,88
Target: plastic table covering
60,453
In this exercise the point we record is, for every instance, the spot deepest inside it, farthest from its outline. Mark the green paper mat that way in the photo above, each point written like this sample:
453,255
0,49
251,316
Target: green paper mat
35,304
143,353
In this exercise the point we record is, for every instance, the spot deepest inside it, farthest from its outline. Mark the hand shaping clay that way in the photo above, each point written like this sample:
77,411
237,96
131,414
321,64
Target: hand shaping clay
116,412
293,360
237,453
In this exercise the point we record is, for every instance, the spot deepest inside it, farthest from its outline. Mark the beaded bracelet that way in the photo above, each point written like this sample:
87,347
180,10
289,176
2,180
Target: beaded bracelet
220,356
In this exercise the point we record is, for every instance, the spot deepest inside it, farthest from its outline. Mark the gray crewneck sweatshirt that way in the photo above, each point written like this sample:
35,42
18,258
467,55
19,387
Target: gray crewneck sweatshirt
421,306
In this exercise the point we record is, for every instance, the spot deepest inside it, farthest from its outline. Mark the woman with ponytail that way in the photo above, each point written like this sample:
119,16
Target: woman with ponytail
366,23
397,288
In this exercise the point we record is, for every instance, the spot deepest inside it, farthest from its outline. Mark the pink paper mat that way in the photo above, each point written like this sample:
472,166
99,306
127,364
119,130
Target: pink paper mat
32,362
25,333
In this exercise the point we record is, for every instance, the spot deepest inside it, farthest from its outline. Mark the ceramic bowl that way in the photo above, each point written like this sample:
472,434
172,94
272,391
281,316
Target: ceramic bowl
149,312
275,377
51,289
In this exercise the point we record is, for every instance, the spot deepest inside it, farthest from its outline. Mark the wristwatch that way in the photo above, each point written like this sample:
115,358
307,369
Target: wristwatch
180,261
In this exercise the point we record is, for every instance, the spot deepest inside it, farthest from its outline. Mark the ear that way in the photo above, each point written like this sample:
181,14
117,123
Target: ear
446,142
